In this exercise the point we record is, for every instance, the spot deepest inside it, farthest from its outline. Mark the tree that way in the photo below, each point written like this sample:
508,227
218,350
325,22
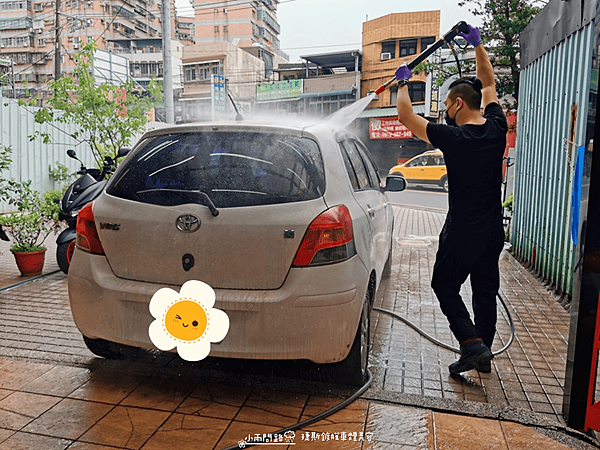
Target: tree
502,24
106,116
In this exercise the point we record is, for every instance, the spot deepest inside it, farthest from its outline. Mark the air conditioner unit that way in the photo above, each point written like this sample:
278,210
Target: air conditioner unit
386,56
90,22
75,46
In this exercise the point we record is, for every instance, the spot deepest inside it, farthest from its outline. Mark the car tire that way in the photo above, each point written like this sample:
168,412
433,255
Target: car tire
109,350
64,253
353,369
444,183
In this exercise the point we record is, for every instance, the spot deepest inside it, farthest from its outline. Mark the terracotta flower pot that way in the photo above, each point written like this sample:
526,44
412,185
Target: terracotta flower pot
30,263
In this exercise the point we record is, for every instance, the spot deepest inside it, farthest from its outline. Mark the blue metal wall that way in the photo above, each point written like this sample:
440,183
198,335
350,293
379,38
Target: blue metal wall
552,118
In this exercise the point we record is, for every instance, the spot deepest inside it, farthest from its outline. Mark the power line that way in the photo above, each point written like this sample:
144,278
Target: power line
113,19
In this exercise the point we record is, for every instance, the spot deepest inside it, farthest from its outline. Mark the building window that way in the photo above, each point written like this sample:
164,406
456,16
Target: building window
190,74
216,28
216,10
408,47
393,95
225,29
389,47
426,42
416,90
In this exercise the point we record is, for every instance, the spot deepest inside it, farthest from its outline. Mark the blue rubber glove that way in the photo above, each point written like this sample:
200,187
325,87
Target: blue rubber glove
403,73
473,37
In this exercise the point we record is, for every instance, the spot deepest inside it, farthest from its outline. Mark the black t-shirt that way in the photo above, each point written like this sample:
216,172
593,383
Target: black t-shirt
473,155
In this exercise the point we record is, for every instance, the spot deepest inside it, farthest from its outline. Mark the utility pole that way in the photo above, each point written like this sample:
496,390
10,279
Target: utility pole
12,76
167,62
57,42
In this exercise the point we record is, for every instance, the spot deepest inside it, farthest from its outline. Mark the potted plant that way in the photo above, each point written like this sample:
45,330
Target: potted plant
29,226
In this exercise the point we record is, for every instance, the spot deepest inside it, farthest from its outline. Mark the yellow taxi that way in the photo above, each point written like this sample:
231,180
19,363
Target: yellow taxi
426,168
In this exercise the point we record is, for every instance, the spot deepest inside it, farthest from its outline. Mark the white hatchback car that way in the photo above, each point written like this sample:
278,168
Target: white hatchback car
290,227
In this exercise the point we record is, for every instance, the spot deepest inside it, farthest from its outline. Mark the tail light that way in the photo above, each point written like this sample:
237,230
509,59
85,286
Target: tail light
87,234
329,239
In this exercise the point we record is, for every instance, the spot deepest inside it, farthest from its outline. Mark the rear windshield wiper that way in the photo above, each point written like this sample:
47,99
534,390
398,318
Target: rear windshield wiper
206,201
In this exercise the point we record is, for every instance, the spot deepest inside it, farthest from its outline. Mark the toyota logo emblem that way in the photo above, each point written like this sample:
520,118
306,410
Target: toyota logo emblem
187,223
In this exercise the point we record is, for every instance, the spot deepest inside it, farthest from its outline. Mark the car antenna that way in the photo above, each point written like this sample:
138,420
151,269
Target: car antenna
238,116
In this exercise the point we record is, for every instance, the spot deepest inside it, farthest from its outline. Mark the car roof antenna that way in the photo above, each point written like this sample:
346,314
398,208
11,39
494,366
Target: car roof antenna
238,116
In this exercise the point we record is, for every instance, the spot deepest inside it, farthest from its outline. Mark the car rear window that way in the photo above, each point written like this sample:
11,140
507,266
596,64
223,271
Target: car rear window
233,168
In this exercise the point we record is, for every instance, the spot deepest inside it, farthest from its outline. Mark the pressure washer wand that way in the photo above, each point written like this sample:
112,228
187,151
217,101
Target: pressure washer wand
460,27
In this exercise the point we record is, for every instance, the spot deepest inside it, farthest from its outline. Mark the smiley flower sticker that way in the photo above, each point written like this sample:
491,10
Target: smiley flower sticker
187,320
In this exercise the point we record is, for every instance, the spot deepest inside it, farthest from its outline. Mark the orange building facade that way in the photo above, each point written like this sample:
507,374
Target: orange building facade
390,41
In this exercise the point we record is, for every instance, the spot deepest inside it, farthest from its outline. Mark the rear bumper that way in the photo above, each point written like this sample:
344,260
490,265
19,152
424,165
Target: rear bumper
313,316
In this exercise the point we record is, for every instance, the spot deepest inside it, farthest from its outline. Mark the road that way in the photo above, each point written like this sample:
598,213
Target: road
423,196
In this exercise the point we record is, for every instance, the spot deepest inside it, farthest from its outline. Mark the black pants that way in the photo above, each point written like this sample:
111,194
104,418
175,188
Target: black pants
462,253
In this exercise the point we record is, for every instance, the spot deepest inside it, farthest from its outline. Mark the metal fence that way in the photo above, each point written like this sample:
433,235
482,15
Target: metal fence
31,159
551,126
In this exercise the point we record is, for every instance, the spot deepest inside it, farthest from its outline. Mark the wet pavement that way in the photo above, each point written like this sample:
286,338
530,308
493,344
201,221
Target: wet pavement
54,393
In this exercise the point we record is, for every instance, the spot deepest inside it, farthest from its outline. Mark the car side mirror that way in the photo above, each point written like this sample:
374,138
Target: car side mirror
394,183
123,152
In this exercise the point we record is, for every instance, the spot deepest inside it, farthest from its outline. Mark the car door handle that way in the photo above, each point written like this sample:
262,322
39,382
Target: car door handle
370,212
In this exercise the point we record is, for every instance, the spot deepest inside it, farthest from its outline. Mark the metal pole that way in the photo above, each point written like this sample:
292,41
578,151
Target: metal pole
357,74
57,42
12,75
167,62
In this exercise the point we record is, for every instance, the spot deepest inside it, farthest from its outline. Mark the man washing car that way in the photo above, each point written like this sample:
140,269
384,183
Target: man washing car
472,238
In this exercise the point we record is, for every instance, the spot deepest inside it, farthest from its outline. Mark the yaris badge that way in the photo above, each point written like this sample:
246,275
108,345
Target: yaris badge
187,223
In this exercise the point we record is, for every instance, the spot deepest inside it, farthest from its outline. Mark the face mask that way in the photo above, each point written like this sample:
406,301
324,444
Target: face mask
448,119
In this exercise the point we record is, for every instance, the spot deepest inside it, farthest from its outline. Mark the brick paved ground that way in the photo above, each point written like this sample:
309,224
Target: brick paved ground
530,375
9,273
526,383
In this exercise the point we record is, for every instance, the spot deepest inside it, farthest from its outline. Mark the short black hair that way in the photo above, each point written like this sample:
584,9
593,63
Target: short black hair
469,89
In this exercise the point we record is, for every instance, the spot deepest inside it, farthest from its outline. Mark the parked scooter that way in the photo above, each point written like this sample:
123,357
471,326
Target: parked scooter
83,190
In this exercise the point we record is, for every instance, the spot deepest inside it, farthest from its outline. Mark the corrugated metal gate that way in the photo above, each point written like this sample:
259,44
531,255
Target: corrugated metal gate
551,125
31,159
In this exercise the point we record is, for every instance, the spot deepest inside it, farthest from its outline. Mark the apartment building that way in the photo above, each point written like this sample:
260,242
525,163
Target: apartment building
185,30
242,71
28,31
390,41
250,25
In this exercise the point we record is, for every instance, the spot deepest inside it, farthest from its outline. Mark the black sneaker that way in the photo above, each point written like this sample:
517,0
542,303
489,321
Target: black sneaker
473,355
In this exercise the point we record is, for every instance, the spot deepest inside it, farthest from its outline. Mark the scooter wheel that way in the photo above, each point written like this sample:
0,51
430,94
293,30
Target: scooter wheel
64,254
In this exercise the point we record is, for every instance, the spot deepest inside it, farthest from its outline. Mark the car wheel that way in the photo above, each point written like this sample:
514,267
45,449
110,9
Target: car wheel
353,369
109,350
64,254
444,183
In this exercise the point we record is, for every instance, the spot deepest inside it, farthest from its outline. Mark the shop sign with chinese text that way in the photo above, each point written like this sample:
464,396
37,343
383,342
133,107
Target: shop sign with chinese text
279,89
388,128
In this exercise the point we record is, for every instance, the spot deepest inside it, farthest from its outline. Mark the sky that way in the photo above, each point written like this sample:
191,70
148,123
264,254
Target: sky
310,27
